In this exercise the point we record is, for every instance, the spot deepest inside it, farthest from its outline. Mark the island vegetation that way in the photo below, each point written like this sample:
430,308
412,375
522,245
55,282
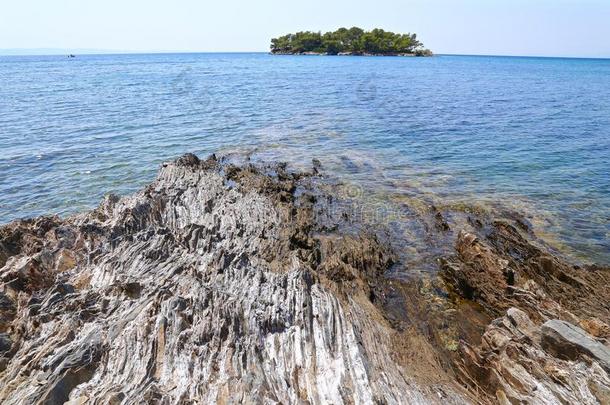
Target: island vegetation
349,41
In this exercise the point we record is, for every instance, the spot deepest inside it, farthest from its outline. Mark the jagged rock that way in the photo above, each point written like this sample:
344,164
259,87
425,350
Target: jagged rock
569,341
213,284
512,365
526,354
228,282
596,328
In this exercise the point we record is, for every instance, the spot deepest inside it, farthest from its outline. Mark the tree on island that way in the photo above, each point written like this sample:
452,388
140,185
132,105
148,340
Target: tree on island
353,41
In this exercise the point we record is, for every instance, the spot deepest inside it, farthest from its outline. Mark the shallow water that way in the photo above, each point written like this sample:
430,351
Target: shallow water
530,133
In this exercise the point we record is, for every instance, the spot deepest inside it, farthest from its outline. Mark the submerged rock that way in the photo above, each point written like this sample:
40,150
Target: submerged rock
248,284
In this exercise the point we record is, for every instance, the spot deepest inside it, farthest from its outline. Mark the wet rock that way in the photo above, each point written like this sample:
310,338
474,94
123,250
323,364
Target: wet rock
317,166
187,160
440,222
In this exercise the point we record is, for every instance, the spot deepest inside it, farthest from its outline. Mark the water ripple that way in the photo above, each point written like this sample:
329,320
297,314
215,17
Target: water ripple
532,133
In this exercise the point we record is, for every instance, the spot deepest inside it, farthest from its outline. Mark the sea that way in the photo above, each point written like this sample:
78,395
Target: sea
530,134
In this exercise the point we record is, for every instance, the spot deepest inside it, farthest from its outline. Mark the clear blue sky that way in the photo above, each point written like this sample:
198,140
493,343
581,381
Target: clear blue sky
505,27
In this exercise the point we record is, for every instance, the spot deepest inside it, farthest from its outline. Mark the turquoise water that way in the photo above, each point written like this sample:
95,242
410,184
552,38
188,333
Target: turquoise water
531,133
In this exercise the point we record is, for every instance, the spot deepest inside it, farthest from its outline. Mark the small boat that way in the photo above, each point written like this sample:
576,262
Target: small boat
71,56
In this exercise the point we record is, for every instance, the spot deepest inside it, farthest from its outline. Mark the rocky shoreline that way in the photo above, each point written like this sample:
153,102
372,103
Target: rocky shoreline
248,283
422,54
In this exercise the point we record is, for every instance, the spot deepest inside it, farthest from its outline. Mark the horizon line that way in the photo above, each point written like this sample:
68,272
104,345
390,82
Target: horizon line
102,52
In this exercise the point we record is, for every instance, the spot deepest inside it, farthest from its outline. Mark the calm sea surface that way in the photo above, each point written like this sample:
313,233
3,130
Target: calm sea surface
530,133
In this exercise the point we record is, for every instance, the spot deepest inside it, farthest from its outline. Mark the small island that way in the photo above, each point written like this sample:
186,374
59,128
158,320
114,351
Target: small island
349,41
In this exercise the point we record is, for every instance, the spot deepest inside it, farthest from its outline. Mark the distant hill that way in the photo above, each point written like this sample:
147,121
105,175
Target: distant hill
352,41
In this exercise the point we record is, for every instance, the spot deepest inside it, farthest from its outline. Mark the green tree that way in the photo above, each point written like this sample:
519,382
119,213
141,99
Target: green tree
354,40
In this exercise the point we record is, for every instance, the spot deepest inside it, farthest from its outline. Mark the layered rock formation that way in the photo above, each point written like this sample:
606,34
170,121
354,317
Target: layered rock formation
549,341
224,283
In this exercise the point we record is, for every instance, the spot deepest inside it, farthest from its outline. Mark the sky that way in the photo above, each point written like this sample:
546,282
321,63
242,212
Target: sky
576,28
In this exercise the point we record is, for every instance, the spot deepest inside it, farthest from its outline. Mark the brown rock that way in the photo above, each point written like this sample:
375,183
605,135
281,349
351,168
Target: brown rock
596,327
65,261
